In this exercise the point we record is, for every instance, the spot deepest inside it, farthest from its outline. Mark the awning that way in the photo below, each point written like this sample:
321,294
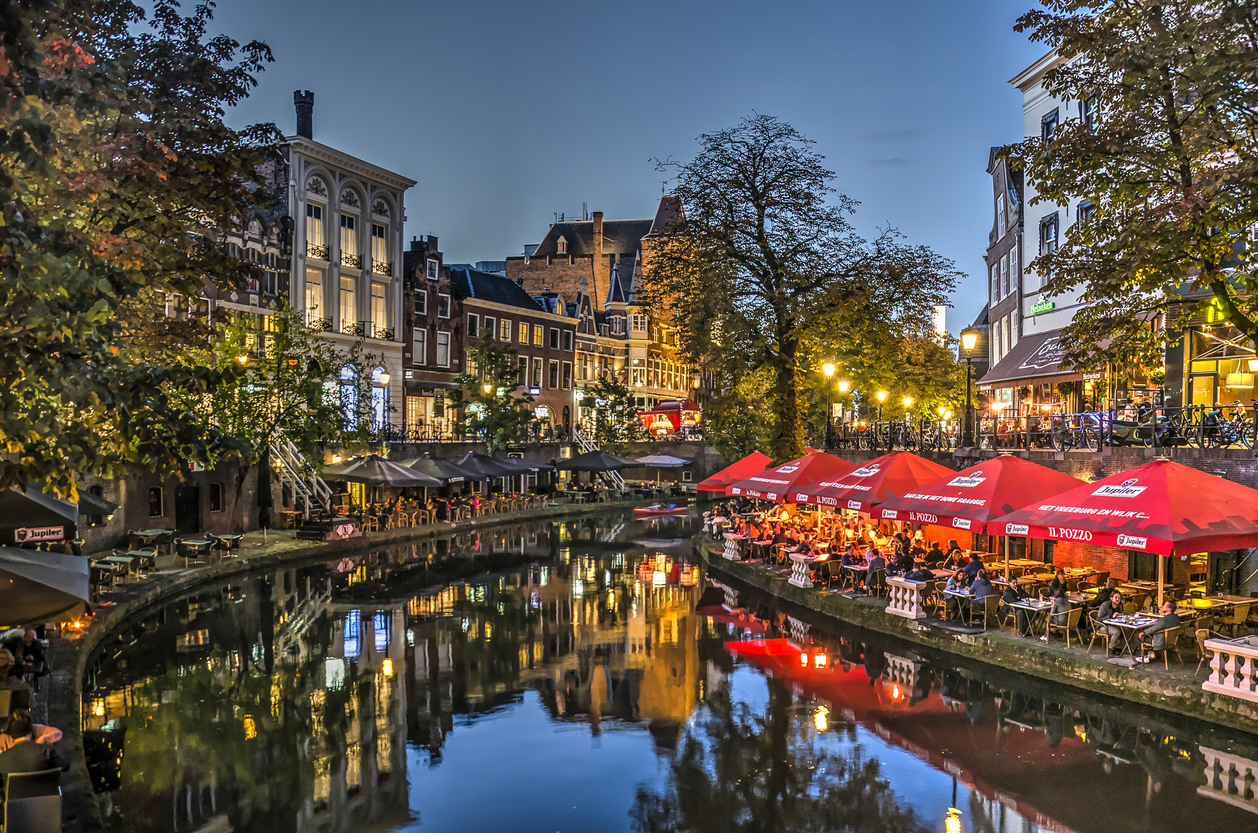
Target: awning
1034,360
753,463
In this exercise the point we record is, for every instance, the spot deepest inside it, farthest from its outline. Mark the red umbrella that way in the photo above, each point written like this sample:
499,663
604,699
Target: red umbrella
1161,507
970,498
753,463
885,477
775,483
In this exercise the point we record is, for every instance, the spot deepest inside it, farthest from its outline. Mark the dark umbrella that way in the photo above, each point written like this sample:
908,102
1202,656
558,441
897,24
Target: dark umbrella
485,466
443,470
42,586
90,504
595,461
525,466
375,469
22,511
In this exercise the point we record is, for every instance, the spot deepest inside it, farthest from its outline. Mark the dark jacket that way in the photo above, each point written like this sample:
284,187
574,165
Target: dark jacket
29,756
982,588
1014,594
1171,620
877,563
971,569
920,574
1108,611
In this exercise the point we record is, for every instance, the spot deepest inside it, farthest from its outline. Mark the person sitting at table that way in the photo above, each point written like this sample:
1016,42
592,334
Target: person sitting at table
971,565
42,733
903,562
958,582
919,572
781,536
1058,582
934,555
1112,606
875,561
1153,637
1057,594
1012,595
25,755
952,558
982,586
852,556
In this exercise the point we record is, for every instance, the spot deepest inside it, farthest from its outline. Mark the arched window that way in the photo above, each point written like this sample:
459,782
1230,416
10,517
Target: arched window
379,398
349,396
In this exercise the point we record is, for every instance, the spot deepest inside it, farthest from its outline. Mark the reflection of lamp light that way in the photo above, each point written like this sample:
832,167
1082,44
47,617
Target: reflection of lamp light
952,821
821,719
1239,381
803,660
98,708
819,661
387,667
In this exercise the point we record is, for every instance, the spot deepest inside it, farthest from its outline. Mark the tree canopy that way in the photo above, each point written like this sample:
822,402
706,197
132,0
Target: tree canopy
114,161
765,263
488,394
611,412
1163,156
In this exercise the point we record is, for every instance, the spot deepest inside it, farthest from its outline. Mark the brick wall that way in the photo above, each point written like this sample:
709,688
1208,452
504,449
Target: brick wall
561,275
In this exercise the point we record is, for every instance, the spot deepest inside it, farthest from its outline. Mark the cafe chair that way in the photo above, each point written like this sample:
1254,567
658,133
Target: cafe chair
32,802
1101,577
876,583
1099,631
1171,644
1204,654
989,610
1235,618
1071,624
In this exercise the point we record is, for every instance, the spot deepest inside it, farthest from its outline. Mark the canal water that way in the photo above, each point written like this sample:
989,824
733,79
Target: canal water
588,676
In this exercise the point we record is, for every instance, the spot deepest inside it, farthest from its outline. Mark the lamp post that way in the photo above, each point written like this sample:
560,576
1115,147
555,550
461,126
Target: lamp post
908,403
828,370
882,397
969,338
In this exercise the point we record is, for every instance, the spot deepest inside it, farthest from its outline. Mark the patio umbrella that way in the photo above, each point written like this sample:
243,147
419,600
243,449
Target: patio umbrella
1161,507
42,586
377,470
662,461
522,466
443,470
804,472
753,463
882,478
595,461
90,504
35,515
485,466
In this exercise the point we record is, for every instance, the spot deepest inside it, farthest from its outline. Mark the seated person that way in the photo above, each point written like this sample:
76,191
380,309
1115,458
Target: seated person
952,558
1058,584
1058,594
25,755
1014,593
934,556
852,556
1111,606
781,536
9,678
903,562
919,572
958,582
972,566
42,733
1153,637
982,587
876,562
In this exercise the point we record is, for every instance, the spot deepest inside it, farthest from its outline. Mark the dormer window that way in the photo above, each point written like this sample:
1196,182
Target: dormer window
563,246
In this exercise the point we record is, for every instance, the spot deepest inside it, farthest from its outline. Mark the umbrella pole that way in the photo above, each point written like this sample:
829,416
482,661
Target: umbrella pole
1161,576
1006,541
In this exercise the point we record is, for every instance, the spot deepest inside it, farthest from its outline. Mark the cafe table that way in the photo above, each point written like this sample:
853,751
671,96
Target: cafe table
1128,624
853,572
145,558
1037,608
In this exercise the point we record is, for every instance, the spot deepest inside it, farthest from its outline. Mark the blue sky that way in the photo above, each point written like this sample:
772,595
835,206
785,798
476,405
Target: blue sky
508,112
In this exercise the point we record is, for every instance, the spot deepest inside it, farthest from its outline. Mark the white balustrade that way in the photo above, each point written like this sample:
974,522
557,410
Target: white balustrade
908,598
1234,667
731,547
801,571
1230,779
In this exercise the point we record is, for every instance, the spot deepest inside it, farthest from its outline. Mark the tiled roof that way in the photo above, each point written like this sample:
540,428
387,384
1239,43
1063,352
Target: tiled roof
473,283
619,237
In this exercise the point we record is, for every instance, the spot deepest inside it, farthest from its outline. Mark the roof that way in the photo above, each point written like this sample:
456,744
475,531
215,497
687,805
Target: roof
623,283
473,283
620,237
668,215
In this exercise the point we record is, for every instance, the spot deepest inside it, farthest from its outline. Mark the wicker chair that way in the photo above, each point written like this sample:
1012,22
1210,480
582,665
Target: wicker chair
1099,631
1071,624
1201,635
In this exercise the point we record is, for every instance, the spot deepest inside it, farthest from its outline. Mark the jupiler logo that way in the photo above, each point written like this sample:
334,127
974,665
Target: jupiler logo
1133,541
1127,488
961,523
787,469
867,471
1016,529
968,481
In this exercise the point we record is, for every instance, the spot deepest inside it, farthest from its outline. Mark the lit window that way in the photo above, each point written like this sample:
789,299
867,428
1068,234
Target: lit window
379,244
315,235
314,293
349,240
349,310
379,311
504,330
537,335
524,333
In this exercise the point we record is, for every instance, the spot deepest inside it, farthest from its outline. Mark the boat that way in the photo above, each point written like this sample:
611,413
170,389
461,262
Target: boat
660,509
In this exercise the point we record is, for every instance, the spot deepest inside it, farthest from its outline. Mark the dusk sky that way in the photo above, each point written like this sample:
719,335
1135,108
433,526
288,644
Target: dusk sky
508,112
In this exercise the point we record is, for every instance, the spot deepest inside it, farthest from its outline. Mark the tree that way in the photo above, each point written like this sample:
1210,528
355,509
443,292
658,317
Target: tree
612,412
765,260
488,394
114,160
1164,155
734,421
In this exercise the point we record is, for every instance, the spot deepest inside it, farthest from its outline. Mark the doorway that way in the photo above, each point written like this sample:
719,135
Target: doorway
188,508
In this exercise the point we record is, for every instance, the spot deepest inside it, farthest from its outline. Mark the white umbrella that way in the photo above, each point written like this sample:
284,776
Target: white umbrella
662,461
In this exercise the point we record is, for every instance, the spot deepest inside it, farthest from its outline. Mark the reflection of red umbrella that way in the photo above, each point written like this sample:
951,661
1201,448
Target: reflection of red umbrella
885,477
775,483
969,498
753,463
738,617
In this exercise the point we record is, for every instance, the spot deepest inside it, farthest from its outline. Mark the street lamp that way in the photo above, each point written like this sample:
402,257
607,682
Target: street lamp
908,403
828,370
969,338
882,397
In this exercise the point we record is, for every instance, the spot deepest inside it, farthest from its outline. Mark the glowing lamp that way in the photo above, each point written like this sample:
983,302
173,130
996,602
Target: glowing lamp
843,385
488,388
1239,381
827,369
387,667
1253,365
882,396
242,358
803,660
819,661
969,338
952,821
908,402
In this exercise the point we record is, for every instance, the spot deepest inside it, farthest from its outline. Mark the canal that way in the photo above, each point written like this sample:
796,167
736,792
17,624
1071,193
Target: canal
588,676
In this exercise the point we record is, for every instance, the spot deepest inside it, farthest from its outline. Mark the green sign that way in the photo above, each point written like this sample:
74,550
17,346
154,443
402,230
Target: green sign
1042,306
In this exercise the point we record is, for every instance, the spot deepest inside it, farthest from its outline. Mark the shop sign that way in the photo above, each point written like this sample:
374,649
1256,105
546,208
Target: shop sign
1070,534
923,518
24,535
889,514
348,529
1042,306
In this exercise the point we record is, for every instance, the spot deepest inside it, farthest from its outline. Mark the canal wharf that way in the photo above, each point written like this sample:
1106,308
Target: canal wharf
1177,690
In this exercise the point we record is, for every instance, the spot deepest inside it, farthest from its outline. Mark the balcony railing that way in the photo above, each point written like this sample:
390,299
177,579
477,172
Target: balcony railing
321,324
382,268
320,252
352,261
384,333
352,328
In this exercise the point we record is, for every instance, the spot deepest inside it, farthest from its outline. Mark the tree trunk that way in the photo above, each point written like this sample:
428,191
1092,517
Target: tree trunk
788,440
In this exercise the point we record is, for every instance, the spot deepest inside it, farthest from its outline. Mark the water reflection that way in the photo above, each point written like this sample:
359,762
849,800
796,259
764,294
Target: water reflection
587,677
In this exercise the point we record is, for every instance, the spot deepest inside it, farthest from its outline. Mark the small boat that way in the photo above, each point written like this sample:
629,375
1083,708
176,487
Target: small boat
660,509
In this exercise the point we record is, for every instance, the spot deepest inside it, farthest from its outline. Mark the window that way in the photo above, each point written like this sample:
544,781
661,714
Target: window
349,240
156,509
96,520
996,341
618,325
567,375
639,323
379,244
353,635
348,309
523,370
443,305
1004,274
553,377
995,283
1086,210
419,347
314,293
443,349
537,372
524,333
1011,332
1088,112
473,325
379,309
504,330
1048,126
1048,234
316,238
432,270
1001,218
567,341
537,335
1005,335
554,339
216,497
489,328
562,246
421,302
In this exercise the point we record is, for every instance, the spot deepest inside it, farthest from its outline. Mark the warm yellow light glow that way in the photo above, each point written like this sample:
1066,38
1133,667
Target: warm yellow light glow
803,660
1253,365
952,822
98,708
908,402
242,358
488,388
387,667
947,414
895,691
821,718
882,396
969,338
251,728
827,369
844,384
383,377
819,661
942,410
1239,381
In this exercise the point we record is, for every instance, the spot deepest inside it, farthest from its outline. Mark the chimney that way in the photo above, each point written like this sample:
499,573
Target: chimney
600,283
304,99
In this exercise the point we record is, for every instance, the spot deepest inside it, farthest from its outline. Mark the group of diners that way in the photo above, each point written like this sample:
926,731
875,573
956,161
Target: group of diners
25,746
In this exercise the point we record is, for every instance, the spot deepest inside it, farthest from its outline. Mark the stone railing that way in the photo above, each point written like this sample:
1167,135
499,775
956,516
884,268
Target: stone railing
1233,668
801,570
908,598
731,547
